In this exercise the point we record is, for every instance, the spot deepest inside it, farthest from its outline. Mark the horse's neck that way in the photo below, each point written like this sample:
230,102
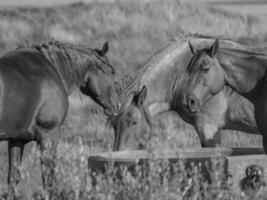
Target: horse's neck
157,100
71,70
164,76
243,73
240,113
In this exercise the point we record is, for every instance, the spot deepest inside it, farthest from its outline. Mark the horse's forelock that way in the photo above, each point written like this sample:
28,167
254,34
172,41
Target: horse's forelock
108,67
196,59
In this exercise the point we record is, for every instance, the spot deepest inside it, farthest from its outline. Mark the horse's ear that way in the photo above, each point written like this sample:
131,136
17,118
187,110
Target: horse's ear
140,97
212,51
192,49
104,48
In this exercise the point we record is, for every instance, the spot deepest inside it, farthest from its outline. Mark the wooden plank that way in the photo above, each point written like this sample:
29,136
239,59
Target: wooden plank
246,151
180,153
129,158
132,156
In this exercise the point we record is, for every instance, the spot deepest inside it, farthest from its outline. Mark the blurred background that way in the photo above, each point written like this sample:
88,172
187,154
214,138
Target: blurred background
135,30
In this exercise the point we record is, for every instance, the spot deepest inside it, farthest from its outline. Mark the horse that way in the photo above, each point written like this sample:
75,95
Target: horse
228,64
35,82
133,126
159,87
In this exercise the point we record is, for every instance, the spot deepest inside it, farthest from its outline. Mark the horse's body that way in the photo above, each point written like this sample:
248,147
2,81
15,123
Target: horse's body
239,67
35,83
164,76
32,96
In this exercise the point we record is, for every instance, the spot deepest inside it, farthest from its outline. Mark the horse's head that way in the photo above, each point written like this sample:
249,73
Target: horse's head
99,83
206,77
132,129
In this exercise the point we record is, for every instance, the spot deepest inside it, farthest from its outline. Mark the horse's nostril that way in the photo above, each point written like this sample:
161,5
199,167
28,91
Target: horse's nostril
191,102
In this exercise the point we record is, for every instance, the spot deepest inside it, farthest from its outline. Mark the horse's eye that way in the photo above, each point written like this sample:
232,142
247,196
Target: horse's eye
205,68
134,122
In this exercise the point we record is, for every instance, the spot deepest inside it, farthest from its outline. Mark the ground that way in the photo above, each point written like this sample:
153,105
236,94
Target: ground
135,31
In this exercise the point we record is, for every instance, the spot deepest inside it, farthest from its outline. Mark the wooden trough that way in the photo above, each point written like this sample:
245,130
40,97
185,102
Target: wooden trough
235,160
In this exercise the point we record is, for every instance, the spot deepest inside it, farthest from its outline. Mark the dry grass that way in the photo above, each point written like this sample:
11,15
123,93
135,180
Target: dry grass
135,30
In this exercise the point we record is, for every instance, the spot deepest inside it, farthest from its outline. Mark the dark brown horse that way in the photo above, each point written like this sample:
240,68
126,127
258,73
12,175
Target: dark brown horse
236,66
35,83
164,76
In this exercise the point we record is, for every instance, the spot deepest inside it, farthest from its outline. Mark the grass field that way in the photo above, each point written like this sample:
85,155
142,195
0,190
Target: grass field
135,31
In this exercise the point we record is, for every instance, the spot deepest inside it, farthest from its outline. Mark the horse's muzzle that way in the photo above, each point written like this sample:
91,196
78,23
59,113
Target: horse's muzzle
193,104
110,112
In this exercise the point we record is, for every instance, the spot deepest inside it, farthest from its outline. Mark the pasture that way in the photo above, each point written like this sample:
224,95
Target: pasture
135,30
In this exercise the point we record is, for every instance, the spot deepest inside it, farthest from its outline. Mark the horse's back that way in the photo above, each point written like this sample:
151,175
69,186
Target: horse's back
31,94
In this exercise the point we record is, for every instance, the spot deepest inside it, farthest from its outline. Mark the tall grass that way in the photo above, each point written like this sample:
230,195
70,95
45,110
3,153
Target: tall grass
135,30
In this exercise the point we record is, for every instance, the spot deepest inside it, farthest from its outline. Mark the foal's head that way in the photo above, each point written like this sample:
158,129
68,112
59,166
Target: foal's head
132,128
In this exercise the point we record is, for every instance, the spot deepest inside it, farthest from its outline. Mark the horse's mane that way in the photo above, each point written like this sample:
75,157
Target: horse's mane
133,85
228,46
73,54
248,50
188,36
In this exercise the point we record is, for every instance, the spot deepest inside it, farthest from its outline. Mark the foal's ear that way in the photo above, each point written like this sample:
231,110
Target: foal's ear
192,48
212,51
140,97
104,49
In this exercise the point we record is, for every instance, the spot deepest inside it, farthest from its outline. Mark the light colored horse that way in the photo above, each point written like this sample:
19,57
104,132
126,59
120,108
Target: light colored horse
159,87
228,63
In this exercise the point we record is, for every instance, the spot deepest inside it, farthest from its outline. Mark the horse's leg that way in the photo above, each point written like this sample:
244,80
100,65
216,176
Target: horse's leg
262,126
261,115
263,130
47,164
264,142
15,152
